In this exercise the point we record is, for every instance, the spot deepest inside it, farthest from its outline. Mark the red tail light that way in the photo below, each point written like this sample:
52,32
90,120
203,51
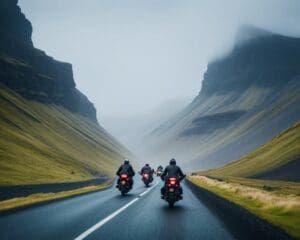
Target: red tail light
146,175
172,182
124,176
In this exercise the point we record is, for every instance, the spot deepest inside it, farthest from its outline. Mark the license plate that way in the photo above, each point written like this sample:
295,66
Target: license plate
171,190
123,182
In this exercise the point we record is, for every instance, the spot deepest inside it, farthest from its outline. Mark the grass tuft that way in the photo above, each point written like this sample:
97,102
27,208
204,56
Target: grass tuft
46,197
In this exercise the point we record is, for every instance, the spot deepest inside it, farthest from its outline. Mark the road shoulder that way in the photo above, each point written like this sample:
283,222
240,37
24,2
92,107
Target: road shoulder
40,198
235,214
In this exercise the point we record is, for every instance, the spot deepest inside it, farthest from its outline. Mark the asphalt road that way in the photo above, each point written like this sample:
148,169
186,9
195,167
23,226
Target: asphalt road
107,215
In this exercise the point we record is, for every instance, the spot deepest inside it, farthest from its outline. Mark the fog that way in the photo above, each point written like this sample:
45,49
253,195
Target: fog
132,56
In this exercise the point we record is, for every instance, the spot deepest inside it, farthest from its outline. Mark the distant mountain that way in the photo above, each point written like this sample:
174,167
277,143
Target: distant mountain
48,129
247,97
131,129
30,72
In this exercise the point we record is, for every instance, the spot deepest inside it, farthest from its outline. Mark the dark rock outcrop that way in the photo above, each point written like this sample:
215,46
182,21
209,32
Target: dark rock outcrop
30,72
265,60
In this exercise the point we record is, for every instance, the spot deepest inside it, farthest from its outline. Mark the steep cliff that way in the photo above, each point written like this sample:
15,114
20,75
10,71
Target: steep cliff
48,129
30,72
247,98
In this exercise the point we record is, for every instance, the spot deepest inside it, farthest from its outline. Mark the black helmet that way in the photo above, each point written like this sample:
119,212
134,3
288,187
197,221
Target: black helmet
147,164
126,161
173,161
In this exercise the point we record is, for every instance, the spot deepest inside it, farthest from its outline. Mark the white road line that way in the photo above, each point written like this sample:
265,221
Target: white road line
145,192
111,216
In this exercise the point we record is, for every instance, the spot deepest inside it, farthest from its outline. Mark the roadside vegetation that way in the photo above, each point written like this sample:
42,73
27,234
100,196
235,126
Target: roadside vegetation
46,197
275,201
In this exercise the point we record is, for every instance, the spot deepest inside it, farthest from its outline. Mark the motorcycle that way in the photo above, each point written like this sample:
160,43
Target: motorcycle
147,179
124,184
158,173
173,191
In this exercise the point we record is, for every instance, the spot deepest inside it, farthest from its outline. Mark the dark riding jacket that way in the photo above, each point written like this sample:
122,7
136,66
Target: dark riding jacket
126,168
172,171
146,169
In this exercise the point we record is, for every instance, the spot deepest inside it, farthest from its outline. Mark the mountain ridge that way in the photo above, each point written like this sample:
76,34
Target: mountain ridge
247,97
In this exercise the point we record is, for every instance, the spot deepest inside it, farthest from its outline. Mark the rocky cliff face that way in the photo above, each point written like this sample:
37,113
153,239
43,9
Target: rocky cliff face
30,72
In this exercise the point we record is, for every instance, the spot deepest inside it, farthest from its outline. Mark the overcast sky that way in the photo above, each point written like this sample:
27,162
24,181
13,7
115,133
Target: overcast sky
132,56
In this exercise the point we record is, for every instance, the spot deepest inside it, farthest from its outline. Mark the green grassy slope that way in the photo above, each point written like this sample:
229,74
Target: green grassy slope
281,150
47,144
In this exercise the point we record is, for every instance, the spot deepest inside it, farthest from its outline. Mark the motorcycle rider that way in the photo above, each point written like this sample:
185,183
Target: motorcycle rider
128,169
160,168
149,170
172,170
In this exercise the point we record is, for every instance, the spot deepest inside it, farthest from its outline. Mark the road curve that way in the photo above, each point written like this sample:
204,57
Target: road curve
107,215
